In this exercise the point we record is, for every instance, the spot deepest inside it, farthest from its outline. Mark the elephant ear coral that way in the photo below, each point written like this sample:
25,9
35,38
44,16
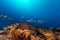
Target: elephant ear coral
20,34
24,32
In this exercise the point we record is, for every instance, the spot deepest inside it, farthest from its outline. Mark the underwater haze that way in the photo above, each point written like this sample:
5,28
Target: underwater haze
44,13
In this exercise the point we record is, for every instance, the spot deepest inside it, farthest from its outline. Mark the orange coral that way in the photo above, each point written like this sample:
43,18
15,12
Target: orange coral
27,33
17,34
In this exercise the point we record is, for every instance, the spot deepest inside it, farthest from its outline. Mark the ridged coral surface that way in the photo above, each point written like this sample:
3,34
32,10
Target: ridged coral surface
23,31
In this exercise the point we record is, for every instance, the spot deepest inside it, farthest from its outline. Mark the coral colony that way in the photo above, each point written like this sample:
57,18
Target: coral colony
23,31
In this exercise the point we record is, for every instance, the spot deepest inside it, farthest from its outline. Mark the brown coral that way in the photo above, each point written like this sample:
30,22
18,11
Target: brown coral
22,31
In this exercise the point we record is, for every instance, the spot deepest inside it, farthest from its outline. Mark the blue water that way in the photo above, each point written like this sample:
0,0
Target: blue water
21,10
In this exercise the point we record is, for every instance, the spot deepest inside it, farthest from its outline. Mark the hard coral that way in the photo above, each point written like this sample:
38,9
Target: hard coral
22,31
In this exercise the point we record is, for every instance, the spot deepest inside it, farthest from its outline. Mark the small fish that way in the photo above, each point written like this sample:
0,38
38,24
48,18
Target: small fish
35,21
10,18
28,20
1,15
40,21
5,17
31,19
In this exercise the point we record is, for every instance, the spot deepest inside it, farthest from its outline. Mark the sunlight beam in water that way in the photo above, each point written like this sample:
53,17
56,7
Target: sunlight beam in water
24,0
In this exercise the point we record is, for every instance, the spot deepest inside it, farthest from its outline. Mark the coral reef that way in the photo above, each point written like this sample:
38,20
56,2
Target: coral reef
23,31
